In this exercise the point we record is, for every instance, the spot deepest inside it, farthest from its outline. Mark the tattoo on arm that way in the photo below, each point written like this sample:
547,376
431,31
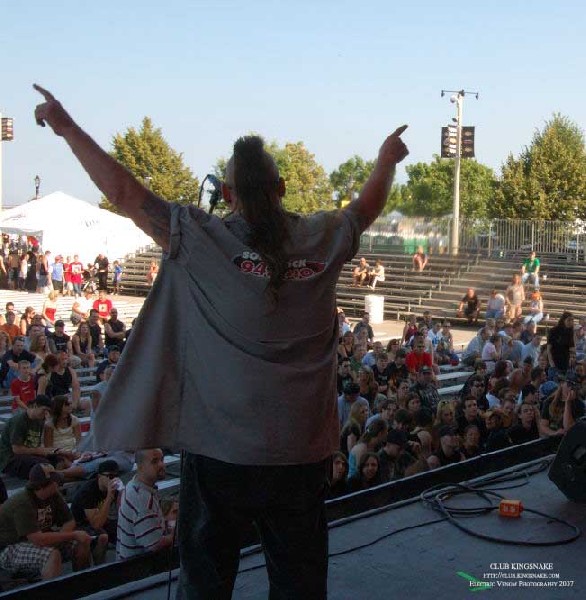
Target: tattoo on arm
158,218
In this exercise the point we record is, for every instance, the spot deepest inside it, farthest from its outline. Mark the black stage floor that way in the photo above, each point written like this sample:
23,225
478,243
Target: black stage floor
436,560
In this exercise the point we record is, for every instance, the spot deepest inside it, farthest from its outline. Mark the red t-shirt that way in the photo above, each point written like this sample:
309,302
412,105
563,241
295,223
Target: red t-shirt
25,390
103,307
76,272
414,361
67,272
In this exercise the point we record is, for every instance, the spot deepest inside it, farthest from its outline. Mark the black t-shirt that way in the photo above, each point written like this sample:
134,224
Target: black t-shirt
59,384
557,423
117,327
396,373
471,303
463,423
60,341
519,435
561,339
447,460
88,497
95,332
353,428
382,377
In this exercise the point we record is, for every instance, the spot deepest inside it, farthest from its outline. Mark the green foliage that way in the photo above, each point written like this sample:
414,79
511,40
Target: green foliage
349,178
147,155
308,186
548,180
429,189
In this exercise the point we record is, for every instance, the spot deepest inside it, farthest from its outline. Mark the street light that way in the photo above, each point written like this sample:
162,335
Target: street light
37,186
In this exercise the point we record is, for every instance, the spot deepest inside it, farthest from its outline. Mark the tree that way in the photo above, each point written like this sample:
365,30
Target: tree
148,156
349,178
429,189
308,186
548,180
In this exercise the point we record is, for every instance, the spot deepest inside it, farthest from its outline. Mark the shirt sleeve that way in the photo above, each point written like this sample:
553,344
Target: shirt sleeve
148,529
25,519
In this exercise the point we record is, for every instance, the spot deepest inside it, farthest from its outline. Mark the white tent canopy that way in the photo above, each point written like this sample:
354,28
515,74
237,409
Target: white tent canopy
66,225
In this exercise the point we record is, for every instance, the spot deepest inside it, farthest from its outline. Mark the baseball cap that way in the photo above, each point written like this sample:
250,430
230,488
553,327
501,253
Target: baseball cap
397,437
109,466
59,323
42,474
447,430
42,400
351,388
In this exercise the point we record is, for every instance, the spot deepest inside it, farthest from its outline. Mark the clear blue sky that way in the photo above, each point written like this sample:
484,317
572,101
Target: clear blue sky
335,74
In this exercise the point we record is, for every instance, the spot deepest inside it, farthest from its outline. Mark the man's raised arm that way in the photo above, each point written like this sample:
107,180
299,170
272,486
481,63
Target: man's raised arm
151,213
375,191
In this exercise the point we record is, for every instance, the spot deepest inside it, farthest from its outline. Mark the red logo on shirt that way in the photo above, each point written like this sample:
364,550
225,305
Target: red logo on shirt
253,264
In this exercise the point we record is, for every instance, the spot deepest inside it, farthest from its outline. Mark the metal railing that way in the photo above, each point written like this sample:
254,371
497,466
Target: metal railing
489,237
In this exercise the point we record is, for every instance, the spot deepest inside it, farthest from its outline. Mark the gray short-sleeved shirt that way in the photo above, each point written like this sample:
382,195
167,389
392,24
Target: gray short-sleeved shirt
238,379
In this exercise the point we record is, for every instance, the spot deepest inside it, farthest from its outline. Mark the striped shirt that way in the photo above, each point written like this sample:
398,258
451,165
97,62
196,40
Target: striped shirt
140,520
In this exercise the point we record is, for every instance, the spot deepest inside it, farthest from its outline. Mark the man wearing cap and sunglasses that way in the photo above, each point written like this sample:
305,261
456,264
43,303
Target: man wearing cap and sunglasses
37,529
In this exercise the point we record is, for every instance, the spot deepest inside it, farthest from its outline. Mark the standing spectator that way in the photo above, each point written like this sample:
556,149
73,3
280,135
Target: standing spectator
469,307
420,259
530,269
76,276
495,307
141,525
22,271
101,264
515,296
377,274
116,277
37,529
31,272
44,275
67,283
561,352
360,273
57,274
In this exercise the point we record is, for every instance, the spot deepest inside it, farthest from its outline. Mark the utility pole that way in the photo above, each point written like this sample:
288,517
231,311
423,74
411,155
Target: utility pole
457,98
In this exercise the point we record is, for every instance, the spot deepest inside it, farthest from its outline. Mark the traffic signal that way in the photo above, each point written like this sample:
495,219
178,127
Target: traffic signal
7,129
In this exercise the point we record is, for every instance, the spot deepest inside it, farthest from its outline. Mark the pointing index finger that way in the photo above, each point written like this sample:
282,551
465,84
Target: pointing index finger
45,93
398,132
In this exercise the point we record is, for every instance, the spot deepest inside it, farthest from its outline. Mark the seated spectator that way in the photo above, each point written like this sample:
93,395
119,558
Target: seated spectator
470,416
10,327
60,379
82,345
530,270
418,357
39,346
62,429
403,390
580,343
426,389
377,274
495,307
444,416
338,484
5,343
497,433
114,331
528,332
469,307
410,329
349,396
23,387
80,310
393,346
552,413
368,386
346,346
368,474
471,445
10,360
364,325
345,374
508,404
95,503
370,358
492,351
141,526
384,408
370,441
400,457
353,428
50,308
420,259
111,361
474,349
103,305
343,324
398,369
532,350
21,440
26,320
96,332
526,429
152,273
535,309
360,273
449,450
382,373
515,296
521,376
37,529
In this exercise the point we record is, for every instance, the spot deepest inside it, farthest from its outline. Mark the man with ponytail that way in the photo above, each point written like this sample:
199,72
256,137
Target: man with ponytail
259,436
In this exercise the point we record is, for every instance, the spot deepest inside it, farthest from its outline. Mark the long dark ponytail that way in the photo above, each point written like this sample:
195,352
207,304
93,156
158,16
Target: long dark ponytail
256,182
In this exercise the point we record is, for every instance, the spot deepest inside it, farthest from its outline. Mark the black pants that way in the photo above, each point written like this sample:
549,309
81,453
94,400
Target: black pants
219,500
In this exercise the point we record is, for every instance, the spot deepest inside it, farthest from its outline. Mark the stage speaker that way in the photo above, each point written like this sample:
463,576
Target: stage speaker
568,470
